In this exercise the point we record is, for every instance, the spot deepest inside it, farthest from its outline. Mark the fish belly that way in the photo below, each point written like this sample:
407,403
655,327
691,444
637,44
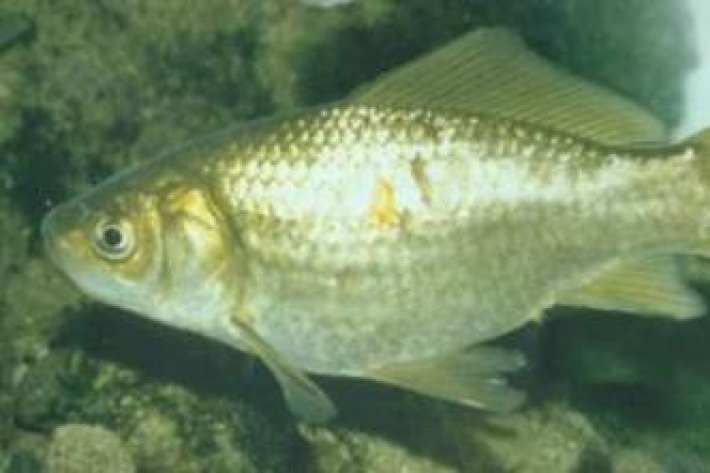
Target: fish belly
418,300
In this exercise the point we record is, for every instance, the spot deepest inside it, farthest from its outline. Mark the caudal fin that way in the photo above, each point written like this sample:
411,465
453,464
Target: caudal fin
701,141
696,267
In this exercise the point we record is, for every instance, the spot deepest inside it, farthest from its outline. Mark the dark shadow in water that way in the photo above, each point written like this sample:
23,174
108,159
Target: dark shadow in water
359,52
618,369
584,36
430,428
37,164
163,354
224,382
625,368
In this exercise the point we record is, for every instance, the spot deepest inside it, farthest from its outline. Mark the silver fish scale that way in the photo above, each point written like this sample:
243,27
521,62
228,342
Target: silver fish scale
355,260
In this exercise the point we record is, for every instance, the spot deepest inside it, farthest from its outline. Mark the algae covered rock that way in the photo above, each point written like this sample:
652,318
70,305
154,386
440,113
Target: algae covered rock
10,111
548,439
551,439
353,452
77,448
14,29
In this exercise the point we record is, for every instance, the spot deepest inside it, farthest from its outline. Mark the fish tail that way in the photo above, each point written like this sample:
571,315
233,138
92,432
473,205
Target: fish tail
701,142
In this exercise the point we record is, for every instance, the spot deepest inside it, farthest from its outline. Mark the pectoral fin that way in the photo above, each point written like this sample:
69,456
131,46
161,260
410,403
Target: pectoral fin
470,377
652,286
304,398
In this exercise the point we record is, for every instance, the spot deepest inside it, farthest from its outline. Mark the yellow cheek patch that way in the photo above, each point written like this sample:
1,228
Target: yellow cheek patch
192,204
76,238
195,231
384,213
77,243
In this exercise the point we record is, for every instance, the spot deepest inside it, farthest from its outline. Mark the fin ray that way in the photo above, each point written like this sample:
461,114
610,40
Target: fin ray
303,397
649,286
471,377
491,71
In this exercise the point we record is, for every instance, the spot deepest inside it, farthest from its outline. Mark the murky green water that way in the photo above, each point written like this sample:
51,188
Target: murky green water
87,88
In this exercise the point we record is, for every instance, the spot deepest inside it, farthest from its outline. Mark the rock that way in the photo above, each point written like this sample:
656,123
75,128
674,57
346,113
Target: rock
550,439
635,461
23,461
343,451
78,448
158,446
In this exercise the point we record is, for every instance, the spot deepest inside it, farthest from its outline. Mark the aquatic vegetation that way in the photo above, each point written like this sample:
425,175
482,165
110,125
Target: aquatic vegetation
9,112
77,448
346,451
15,28
10,98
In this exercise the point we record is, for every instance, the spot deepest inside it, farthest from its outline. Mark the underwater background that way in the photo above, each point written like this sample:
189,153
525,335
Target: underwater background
90,87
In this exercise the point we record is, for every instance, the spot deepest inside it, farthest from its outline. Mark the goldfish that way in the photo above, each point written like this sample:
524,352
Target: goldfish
391,235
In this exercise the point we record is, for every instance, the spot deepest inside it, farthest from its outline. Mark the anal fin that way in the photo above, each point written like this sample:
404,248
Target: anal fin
471,377
651,286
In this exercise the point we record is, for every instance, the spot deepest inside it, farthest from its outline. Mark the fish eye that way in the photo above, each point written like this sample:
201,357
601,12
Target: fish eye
114,239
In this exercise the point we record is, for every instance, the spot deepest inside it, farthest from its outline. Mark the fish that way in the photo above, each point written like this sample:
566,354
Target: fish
392,235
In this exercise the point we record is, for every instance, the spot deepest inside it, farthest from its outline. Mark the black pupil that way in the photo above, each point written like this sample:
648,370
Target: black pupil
113,238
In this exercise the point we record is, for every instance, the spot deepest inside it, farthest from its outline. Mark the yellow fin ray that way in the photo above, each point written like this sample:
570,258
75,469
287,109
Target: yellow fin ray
702,140
652,286
470,377
491,71
303,397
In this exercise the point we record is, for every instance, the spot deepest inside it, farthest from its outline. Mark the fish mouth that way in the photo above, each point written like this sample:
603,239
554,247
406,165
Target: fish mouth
56,229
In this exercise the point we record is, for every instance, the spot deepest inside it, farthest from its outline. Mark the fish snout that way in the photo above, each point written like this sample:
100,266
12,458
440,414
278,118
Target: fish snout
60,224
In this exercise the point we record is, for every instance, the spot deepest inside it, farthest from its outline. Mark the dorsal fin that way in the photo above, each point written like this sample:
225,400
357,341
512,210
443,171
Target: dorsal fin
491,71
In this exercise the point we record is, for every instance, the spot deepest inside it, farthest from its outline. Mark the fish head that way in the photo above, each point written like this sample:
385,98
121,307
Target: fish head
107,243
149,243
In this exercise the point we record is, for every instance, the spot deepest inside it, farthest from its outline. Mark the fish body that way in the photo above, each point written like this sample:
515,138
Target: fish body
385,235
382,241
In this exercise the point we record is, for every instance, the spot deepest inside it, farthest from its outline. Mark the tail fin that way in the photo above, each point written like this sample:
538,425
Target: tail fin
696,268
701,141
